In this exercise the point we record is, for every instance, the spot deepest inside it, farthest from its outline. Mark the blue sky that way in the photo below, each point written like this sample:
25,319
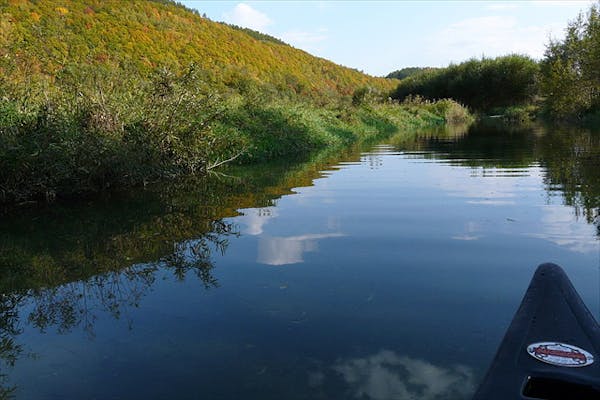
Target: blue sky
378,37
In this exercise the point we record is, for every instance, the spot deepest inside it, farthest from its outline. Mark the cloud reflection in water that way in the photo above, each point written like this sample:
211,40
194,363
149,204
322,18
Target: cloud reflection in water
256,218
389,376
561,226
289,250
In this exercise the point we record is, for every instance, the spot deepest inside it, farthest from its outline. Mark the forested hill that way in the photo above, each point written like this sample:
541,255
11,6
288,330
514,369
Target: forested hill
43,37
99,94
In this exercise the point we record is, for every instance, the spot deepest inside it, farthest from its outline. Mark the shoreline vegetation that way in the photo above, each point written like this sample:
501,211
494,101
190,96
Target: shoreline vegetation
98,95
114,131
563,87
167,93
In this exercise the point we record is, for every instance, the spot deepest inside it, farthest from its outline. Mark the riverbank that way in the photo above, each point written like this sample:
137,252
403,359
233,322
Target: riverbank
75,145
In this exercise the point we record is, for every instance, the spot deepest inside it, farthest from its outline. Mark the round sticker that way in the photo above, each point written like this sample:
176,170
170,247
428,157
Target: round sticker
560,354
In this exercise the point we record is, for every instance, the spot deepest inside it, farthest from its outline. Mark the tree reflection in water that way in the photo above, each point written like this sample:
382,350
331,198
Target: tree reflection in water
569,156
9,349
78,304
65,265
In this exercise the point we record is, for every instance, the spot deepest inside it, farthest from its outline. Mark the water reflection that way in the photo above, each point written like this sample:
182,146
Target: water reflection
566,159
289,250
78,304
10,350
256,219
471,231
473,185
386,375
63,268
572,161
560,227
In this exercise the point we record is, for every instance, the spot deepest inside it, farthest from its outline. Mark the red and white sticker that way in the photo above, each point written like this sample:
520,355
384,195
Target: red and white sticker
560,354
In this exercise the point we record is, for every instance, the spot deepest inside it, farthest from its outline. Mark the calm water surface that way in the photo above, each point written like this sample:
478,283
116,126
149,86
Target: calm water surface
383,273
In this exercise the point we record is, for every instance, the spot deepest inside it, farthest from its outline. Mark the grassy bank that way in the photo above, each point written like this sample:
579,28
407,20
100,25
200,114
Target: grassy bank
117,94
97,130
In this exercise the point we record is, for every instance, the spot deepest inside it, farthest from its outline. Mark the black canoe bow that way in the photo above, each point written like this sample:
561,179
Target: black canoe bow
551,349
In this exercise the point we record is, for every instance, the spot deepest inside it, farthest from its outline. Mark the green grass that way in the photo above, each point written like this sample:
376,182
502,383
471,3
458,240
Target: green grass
97,132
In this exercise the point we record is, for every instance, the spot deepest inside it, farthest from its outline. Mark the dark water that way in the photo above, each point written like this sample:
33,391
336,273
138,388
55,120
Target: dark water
382,273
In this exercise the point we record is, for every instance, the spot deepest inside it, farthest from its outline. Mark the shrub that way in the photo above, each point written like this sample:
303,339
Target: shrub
480,84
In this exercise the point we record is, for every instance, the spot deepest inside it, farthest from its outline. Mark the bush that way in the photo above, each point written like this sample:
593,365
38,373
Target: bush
480,84
447,110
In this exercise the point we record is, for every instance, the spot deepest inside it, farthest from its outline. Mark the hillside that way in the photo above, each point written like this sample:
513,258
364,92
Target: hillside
44,37
97,94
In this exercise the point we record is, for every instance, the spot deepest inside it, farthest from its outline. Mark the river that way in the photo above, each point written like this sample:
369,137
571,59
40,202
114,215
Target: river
382,272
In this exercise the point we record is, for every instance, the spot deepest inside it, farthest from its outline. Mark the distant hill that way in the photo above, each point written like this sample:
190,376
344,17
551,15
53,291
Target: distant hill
42,38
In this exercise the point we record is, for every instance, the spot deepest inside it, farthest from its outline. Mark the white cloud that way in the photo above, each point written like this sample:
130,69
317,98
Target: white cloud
387,375
247,17
490,36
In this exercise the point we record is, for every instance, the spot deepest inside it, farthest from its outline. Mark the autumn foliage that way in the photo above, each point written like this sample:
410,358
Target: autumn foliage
45,37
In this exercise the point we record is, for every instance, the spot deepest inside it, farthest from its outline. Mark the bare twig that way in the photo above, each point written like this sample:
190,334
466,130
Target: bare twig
219,163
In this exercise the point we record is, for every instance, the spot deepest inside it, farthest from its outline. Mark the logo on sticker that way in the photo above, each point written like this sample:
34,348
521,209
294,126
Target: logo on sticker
560,354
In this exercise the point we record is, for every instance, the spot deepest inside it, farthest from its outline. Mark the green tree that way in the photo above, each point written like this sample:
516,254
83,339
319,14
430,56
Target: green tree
481,84
570,71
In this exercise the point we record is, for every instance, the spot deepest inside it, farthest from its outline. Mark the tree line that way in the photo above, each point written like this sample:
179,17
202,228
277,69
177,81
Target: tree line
565,84
481,84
